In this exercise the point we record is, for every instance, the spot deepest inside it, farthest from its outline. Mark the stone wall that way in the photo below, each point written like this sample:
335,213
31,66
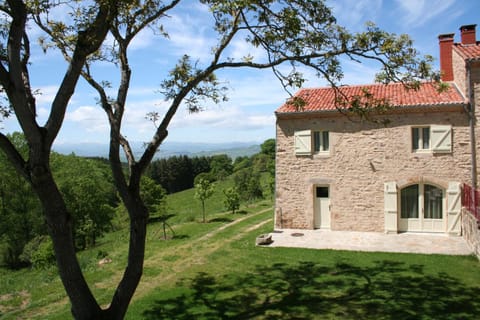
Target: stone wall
459,72
471,231
362,157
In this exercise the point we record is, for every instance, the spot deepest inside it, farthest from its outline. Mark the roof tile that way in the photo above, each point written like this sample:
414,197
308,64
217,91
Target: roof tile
324,99
468,52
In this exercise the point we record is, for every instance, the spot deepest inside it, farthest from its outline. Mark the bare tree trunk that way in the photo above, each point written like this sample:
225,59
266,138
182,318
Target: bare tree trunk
59,221
136,254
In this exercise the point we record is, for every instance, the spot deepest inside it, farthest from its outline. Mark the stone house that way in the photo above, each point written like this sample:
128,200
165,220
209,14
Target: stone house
335,172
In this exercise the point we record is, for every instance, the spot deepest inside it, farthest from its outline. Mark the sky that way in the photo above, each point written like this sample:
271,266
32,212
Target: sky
248,115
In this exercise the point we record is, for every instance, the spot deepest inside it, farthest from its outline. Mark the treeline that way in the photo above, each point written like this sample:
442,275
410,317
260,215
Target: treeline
178,173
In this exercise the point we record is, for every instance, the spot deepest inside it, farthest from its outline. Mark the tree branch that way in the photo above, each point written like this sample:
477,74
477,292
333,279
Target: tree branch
89,40
13,80
14,157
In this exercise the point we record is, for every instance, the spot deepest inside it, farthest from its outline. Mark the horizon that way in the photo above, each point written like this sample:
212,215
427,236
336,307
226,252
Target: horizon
254,95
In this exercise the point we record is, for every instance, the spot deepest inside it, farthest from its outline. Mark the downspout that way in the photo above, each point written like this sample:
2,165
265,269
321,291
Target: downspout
473,143
275,209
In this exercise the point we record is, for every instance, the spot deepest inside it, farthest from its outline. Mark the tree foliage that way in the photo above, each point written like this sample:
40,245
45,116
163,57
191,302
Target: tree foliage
221,166
268,148
20,211
87,187
232,199
178,173
247,182
204,189
289,33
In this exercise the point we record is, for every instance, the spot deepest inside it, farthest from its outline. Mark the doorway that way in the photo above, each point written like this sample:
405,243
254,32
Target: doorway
422,208
322,207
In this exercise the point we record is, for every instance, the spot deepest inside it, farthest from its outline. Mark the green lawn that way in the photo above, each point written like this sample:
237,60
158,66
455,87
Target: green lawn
215,271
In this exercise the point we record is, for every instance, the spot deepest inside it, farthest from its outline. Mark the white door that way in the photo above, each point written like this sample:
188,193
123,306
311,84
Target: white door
322,207
422,209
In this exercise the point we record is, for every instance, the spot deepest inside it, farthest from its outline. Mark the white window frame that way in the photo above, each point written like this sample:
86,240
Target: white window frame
323,146
420,141
440,139
305,142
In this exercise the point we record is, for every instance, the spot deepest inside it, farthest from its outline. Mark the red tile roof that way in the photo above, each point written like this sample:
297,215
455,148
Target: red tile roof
468,52
324,99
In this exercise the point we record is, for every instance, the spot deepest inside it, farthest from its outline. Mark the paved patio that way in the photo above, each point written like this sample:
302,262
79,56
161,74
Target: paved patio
371,241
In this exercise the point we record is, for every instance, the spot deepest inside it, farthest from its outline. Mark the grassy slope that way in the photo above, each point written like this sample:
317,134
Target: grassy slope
214,271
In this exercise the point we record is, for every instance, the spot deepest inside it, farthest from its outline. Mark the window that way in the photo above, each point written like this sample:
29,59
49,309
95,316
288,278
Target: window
320,141
308,142
432,202
421,138
435,138
409,200
423,198
322,192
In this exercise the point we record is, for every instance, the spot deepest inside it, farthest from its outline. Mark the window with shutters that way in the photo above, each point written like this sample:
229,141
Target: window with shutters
309,142
424,198
420,138
320,142
435,138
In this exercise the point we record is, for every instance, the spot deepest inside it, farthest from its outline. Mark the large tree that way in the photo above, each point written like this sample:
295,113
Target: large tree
289,33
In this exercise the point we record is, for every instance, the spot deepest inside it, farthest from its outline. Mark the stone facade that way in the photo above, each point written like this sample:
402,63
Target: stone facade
362,157
471,231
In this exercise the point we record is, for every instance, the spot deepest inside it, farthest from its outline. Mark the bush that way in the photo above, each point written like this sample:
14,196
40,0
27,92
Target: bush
39,252
204,176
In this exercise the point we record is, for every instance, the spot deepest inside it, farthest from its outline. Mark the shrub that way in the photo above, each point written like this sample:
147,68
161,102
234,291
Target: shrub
39,252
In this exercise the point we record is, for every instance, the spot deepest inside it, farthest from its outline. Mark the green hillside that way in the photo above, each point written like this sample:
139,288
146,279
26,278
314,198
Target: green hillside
213,270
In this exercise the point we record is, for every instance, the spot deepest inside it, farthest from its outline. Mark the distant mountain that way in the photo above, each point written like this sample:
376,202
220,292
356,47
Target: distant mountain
168,149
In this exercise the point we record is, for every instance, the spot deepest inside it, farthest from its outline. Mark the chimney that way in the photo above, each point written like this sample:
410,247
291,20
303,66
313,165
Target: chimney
446,66
468,34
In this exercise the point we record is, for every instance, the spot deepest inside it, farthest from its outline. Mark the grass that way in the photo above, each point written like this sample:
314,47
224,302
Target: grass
187,209
214,271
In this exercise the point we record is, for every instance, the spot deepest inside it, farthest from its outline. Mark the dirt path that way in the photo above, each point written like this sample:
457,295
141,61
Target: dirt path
170,263
192,253
228,225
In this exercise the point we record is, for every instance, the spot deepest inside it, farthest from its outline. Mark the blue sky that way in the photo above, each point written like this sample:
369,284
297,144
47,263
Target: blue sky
248,116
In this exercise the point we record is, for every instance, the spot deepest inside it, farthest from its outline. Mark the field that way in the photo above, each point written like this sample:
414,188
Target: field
214,270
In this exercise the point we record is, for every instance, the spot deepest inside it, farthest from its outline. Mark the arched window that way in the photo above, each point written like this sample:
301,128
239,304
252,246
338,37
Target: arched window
421,198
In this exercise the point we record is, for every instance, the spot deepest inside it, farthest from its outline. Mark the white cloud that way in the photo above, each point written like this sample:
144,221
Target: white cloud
233,118
420,12
135,123
144,39
189,33
359,73
91,119
240,48
45,95
354,13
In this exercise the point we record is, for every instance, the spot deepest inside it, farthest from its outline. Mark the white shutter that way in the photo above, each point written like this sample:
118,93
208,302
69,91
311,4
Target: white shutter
303,142
454,207
391,211
441,138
